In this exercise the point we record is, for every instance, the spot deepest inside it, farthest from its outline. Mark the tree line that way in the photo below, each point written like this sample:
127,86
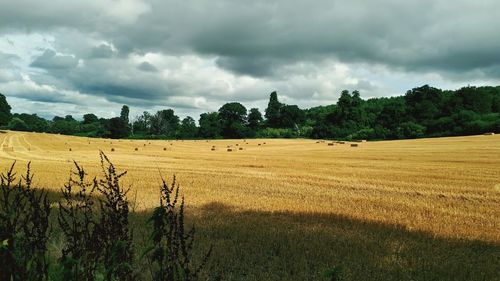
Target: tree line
422,112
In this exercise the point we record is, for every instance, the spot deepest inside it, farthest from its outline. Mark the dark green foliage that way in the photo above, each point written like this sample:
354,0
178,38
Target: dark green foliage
114,234
233,118
5,108
124,114
273,111
90,118
188,129
16,124
209,125
24,225
33,122
170,255
94,223
291,116
164,122
117,128
254,119
78,222
422,112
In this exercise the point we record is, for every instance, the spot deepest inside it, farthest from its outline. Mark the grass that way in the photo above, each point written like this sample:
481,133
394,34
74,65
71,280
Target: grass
423,209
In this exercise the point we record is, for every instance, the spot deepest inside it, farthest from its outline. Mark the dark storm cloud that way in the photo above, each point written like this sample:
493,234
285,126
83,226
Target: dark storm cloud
146,66
99,47
427,35
101,51
50,60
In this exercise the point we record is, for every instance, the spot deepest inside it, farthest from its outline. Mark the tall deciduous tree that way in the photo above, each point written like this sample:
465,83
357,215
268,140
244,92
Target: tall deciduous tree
5,108
209,125
254,119
273,111
233,117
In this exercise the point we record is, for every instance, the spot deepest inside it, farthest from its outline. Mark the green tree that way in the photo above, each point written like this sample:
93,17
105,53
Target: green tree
233,117
16,124
164,122
254,119
209,125
5,115
124,114
273,111
90,118
117,128
291,116
188,128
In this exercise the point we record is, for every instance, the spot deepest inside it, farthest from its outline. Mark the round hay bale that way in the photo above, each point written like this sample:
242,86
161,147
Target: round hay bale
241,148
330,144
144,144
354,145
213,149
112,149
237,144
229,149
70,149
259,144
136,149
164,149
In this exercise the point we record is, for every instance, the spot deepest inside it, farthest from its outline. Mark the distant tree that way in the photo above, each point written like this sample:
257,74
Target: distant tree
16,124
254,119
424,103
124,114
33,122
142,123
117,128
57,118
233,117
90,118
273,111
188,128
164,122
209,125
291,116
69,118
5,115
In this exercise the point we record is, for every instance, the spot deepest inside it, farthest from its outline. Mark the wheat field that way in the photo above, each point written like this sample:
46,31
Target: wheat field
426,209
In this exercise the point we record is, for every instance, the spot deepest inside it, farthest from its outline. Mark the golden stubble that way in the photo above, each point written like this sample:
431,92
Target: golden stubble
447,187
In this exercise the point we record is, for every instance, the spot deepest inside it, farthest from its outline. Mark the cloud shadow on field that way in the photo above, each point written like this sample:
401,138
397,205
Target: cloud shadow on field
259,245
255,245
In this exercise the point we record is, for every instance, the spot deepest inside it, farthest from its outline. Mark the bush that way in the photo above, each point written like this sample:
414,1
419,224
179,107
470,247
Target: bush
24,225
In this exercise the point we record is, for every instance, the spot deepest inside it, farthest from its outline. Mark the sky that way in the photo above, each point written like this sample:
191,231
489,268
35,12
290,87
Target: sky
72,57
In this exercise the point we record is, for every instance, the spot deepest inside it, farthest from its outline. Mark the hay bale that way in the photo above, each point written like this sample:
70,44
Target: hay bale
330,144
136,149
237,144
70,149
241,148
213,149
229,149
317,142
259,144
112,149
164,149
341,142
144,144
263,143
354,145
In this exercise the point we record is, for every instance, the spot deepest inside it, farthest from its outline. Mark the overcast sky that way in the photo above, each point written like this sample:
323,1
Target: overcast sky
73,57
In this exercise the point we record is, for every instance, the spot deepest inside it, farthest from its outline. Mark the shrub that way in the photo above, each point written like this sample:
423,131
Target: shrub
24,225
170,255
